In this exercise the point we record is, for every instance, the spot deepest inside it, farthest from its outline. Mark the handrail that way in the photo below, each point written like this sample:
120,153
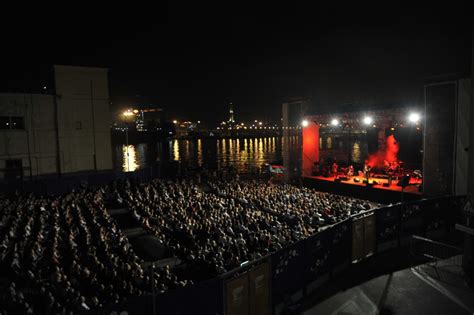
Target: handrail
435,242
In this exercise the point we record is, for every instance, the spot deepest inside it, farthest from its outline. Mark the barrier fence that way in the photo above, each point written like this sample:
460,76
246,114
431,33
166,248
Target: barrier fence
266,285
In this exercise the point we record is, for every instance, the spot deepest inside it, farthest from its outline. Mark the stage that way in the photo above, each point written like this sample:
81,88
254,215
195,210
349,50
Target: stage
375,191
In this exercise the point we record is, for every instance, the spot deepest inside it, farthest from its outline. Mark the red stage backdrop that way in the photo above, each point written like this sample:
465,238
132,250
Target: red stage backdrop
310,147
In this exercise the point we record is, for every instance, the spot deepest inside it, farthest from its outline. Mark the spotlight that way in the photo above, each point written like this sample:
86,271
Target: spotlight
414,117
368,120
304,123
335,122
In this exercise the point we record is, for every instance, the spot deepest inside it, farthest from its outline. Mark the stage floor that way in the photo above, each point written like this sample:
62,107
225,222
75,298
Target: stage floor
413,188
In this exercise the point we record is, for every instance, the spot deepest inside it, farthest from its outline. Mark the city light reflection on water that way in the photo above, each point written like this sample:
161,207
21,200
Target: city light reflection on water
129,158
242,154
355,152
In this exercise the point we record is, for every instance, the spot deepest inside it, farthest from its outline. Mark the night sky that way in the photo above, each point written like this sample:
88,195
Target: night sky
190,59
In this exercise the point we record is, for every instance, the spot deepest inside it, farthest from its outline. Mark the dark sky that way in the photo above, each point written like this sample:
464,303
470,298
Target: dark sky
190,59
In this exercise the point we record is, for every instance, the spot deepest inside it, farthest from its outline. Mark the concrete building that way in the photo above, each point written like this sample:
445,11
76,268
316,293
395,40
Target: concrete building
66,132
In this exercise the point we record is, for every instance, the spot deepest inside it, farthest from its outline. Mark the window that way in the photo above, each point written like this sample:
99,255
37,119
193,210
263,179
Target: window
9,122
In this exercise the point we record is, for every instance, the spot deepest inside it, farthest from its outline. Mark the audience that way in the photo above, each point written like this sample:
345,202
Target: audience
66,254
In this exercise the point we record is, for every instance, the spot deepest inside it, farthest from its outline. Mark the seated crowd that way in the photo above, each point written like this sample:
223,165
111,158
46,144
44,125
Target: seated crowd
66,254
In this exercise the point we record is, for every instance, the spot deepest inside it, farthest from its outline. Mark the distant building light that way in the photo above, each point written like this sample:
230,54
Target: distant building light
260,123
304,123
175,121
335,122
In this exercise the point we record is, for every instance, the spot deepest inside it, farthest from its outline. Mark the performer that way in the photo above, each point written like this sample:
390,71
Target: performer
334,169
350,171
387,166
367,170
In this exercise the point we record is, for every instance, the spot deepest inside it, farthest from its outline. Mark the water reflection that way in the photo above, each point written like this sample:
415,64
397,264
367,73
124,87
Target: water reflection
355,152
243,154
199,152
175,151
129,158
329,142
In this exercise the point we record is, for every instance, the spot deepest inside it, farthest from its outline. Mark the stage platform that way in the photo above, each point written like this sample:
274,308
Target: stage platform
375,191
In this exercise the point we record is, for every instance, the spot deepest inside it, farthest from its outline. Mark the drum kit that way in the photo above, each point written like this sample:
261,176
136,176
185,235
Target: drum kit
394,169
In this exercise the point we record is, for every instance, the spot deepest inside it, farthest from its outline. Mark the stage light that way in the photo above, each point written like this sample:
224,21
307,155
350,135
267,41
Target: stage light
368,120
414,117
304,123
335,122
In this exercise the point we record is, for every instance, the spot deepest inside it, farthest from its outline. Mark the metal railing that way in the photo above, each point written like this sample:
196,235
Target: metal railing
432,252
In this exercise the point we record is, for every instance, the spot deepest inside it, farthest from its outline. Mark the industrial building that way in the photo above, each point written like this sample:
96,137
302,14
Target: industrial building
67,131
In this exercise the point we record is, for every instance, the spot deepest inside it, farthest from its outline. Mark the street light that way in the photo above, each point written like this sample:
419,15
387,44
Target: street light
414,117
304,123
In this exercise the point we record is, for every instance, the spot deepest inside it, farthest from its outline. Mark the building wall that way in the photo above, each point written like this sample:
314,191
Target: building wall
462,136
34,144
83,118
83,125
470,189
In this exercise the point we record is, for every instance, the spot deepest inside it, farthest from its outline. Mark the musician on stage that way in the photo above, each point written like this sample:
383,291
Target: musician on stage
367,169
387,165
334,169
350,171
